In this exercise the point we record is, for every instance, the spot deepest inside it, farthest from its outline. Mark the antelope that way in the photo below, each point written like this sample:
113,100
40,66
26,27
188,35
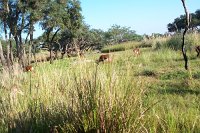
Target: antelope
197,50
28,68
136,51
104,58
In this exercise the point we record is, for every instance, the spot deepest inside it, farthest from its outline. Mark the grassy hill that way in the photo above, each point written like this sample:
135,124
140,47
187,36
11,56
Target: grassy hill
149,93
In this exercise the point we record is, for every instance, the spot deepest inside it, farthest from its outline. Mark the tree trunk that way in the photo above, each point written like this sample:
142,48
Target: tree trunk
63,51
186,28
34,53
30,46
29,53
50,43
30,42
76,47
17,45
11,49
22,52
3,60
7,47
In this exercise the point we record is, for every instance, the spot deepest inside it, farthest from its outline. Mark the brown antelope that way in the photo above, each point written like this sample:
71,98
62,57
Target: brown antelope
136,51
104,58
28,68
197,50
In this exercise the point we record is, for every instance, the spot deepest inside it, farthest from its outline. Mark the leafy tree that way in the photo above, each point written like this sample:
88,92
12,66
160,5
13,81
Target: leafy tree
33,18
62,14
117,34
86,39
4,16
179,23
19,18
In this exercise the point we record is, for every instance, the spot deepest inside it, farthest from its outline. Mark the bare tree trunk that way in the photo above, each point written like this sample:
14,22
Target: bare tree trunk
3,60
76,47
63,51
7,47
11,49
51,60
22,52
30,48
31,40
51,43
34,53
186,28
29,53
6,8
17,45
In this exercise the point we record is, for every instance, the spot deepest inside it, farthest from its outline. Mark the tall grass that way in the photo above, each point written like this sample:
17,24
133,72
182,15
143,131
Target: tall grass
85,98
120,47
174,42
148,93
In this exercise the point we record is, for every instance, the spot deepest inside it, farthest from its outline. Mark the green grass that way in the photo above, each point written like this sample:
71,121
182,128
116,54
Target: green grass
120,47
148,93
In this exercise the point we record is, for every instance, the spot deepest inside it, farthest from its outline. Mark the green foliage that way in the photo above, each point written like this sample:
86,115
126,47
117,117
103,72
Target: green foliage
175,42
118,33
156,43
179,22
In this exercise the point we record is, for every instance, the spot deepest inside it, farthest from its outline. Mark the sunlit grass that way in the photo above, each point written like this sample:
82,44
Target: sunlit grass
120,47
148,93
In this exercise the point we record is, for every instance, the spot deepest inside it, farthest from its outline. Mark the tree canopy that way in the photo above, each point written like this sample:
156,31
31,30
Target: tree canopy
179,23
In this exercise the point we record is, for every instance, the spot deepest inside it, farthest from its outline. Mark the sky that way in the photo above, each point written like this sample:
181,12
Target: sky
143,16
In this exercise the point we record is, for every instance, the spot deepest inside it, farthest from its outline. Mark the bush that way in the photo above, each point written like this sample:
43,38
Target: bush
175,42
156,43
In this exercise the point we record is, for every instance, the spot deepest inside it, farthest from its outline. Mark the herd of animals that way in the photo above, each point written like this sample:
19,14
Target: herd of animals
107,58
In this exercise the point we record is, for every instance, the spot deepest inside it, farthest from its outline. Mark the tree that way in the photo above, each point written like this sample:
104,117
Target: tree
15,18
179,23
2,58
76,23
186,28
118,33
60,15
33,18
4,16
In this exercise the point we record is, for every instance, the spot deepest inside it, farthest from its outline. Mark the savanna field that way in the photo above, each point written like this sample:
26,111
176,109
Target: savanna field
148,93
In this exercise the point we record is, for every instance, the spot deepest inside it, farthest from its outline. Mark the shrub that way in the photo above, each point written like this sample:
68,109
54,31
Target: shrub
175,42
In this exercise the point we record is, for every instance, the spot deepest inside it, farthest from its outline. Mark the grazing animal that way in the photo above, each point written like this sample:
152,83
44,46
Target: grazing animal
104,58
29,68
136,51
197,50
